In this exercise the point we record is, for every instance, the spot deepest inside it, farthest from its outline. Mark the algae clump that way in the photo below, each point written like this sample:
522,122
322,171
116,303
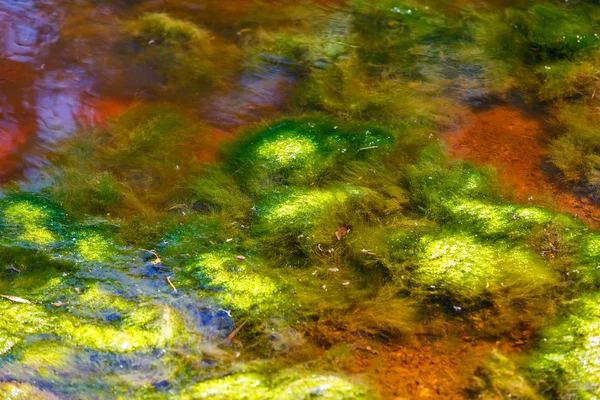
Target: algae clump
567,364
284,385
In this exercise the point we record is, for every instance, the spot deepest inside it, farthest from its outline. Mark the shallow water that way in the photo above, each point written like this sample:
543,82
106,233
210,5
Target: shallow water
267,199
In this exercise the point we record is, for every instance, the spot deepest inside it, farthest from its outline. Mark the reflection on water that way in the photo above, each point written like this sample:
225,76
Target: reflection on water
53,86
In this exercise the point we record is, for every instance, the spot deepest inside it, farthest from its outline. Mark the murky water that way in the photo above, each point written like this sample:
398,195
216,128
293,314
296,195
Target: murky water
265,199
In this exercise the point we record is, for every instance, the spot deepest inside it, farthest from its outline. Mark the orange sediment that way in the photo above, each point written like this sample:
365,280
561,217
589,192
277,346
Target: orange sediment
514,143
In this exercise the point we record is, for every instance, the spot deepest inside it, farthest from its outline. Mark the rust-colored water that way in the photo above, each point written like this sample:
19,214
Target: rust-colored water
514,142
50,88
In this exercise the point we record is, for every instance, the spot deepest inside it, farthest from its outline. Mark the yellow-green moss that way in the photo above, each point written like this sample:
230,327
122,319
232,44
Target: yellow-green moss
568,362
242,386
243,287
142,329
466,269
498,219
287,385
23,391
94,247
30,220
7,342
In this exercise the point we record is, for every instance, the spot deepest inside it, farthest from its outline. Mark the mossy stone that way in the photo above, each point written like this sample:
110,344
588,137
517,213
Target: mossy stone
567,364
467,269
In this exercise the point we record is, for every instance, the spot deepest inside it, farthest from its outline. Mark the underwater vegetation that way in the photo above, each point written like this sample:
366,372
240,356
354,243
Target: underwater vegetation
306,223
187,58
141,271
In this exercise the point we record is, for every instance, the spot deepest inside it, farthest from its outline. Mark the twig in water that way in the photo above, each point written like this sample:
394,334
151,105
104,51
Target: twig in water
235,332
368,148
13,268
155,254
15,299
171,283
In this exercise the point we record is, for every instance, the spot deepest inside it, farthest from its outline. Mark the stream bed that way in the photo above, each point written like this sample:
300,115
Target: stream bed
272,199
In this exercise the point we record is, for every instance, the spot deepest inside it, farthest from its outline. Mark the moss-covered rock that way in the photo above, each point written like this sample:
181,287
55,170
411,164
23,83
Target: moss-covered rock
466,269
302,152
240,282
567,364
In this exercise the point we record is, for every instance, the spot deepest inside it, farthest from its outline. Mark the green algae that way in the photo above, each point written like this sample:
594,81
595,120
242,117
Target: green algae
283,386
500,378
303,151
140,335
188,57
31,220
466,270
566,364
389,32
216,190
244,288
260,233
130,164
498,219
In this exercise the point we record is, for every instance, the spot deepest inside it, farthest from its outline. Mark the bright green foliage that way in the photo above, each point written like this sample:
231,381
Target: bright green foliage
94,247
433,184
287,385
242,386
304,151
295,222
567,365
243,286
30,221
143,329
497,219
7,342
319,387
466,269
300,211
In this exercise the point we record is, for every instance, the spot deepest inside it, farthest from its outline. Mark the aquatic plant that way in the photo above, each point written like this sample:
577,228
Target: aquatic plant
567,364
575,151
136,160
390,32
500,378
187,57
287,384
465,269
546,49
239,282
304,151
